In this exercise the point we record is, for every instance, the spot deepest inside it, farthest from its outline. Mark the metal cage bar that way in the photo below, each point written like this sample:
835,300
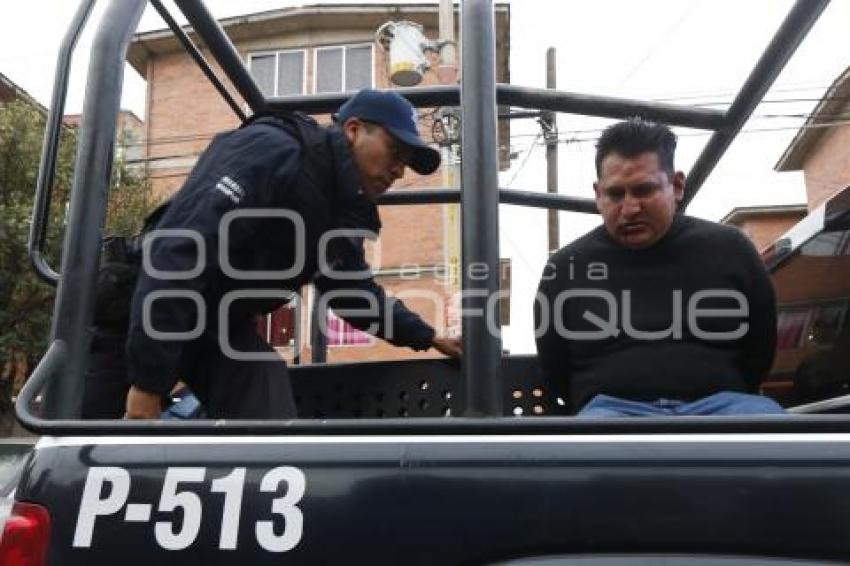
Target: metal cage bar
549,201
222,49
506,196
198,57
50,147
525,97
609,107
787,38
482,344
435,425
74,306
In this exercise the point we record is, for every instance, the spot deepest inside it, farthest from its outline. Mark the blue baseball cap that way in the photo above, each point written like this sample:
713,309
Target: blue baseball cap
396,115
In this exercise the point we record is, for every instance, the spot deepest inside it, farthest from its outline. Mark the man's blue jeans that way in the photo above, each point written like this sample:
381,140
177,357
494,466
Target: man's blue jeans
724,403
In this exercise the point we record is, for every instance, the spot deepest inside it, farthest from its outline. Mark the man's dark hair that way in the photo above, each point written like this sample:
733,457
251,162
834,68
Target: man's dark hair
634,136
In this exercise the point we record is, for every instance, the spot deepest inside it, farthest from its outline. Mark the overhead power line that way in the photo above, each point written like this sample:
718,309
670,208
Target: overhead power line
575,140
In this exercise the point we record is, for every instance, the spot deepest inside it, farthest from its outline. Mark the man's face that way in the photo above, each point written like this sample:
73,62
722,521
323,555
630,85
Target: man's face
637,198
379,157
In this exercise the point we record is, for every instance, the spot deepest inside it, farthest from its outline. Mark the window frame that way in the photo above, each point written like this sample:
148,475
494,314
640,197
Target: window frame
342,46
277,53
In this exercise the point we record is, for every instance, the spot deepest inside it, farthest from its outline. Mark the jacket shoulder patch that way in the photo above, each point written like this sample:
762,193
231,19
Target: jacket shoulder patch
230,188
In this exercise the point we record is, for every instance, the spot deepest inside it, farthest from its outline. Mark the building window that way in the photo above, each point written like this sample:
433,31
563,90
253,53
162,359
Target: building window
343,68
279,73
340,333
278,327
790,326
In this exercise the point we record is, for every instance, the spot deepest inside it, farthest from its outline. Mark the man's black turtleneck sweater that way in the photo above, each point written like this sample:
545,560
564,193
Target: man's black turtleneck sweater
608,322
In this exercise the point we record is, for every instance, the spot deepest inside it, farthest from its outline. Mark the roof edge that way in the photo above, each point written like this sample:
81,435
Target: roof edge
138,60
743,212
20,92
812,130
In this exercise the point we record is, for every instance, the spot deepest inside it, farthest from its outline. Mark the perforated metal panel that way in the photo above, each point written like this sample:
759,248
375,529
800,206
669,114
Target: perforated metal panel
526,394
410,388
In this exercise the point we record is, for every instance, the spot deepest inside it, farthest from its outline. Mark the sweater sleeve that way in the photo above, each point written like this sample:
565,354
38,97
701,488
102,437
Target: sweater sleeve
759,344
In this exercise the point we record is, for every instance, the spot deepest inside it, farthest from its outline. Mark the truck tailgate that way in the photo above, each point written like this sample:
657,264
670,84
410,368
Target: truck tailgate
439,499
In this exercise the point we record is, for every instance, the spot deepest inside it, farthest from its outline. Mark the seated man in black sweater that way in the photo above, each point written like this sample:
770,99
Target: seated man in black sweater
654,313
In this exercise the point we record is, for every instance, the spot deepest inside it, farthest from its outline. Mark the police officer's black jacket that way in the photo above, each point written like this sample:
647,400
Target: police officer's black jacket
285,173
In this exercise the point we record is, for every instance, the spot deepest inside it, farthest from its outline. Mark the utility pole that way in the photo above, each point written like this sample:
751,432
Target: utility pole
550,135
447,73
406,48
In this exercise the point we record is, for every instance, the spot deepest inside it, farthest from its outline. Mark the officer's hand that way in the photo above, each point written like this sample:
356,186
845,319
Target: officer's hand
451,347
143,404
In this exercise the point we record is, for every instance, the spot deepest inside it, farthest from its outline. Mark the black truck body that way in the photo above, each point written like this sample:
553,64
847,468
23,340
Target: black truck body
441,499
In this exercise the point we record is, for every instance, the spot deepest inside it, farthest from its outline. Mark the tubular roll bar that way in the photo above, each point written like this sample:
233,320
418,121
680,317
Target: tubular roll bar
50,146
222,50
73,311
791,33
525,97
479,172
825,406
506,196
477,96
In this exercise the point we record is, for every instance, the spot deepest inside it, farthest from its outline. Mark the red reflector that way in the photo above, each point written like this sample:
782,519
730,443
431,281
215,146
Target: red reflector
26,535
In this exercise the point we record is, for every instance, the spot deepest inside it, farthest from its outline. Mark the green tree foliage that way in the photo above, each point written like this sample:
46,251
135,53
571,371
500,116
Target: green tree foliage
26,302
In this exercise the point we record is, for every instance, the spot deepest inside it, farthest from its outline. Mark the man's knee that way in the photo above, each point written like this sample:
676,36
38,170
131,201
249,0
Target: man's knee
733,403
608,406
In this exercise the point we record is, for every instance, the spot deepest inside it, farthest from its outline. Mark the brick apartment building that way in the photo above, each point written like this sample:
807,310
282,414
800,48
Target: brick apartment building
129,136
821,148
306,50
129,133
763,224
812,290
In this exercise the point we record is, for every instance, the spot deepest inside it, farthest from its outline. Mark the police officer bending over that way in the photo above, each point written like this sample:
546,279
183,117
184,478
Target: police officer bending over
250,218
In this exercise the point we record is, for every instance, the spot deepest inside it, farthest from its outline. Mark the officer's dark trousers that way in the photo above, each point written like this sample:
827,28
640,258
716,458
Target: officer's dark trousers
228,388
232,388
105,388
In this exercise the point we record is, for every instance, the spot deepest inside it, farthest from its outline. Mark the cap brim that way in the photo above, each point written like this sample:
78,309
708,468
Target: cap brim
423,158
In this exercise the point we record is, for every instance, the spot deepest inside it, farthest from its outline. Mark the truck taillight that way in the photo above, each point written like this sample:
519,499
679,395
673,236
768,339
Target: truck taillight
26,534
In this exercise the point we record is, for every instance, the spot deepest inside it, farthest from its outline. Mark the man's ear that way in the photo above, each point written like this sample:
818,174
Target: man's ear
678,182
350,128
596,193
